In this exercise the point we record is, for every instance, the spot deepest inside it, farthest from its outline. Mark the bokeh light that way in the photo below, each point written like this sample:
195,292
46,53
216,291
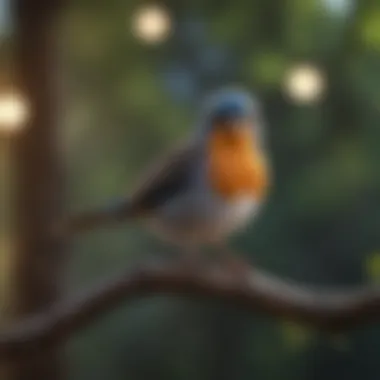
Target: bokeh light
339,7
305,84
151,24
13,112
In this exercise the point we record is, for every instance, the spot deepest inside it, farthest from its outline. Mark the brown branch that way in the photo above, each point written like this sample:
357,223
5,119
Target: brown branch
258,292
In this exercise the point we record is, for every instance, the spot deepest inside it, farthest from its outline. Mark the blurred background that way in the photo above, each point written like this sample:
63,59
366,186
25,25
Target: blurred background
133,74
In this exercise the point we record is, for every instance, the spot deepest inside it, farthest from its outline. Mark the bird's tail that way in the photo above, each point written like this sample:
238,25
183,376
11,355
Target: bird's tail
85,221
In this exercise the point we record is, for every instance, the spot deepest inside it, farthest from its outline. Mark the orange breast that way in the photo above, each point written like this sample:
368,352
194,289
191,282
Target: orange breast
236,165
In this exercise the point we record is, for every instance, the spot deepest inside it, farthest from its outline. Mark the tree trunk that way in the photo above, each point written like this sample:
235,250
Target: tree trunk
38,258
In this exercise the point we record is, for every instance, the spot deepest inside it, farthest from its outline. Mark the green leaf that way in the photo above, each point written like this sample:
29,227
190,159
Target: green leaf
267,68
372,267
370,30
296,336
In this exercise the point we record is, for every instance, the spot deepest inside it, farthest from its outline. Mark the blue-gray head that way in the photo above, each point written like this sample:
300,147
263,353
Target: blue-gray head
231,109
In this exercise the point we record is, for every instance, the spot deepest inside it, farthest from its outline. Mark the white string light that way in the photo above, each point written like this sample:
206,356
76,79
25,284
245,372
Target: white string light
304,84
151,24
13,112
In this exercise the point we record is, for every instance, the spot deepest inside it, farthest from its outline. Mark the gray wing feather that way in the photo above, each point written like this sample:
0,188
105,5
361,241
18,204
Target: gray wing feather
164,180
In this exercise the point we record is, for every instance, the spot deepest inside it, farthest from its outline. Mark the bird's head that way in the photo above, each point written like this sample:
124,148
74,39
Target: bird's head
232,114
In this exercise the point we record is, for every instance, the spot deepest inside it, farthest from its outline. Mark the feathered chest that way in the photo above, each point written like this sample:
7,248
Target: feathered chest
236,166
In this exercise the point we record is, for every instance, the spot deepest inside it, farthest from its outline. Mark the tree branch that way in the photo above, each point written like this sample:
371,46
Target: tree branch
257,292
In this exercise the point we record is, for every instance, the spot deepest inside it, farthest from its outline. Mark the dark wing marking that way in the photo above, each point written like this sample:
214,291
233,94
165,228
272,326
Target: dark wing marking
164,180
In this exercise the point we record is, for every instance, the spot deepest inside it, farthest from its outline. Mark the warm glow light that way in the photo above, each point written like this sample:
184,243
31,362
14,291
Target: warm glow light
151,24
305,84
13,112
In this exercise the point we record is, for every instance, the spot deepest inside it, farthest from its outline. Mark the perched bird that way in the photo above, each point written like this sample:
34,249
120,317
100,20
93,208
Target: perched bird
204,190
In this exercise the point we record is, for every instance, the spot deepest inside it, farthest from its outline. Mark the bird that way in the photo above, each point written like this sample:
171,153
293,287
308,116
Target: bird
205,189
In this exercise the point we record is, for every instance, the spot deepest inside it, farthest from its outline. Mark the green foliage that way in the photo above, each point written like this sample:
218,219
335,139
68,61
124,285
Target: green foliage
296,337
372,267
370,31
267,68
